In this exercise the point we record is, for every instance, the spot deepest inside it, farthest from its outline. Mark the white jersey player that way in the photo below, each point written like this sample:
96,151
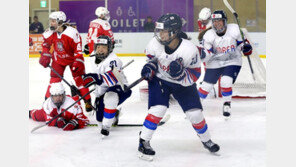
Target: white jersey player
223,46
109,93
172,68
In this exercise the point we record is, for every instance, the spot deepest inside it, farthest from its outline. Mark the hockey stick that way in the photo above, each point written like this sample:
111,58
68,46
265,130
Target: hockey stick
241,32
134,84
162,122
72,87
128,63
38,127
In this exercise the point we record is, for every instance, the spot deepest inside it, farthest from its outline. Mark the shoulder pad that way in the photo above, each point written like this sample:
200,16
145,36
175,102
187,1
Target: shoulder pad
47,33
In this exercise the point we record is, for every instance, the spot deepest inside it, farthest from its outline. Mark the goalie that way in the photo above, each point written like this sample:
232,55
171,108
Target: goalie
109,94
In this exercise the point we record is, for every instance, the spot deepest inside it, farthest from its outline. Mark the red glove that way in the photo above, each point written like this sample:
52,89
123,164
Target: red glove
71,125
78,66
61,122
45,59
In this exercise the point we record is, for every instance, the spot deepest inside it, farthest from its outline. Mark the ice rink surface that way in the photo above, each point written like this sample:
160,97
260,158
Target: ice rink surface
242,139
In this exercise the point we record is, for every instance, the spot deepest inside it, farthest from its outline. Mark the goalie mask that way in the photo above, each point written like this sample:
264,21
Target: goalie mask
219,21
56,19
102,47
57,94
167,28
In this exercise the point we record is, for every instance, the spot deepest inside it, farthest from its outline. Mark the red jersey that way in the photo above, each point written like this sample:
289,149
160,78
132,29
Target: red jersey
66,45
97,28
201,26
75,112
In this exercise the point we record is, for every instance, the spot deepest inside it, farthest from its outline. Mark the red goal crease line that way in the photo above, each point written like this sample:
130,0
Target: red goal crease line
121,55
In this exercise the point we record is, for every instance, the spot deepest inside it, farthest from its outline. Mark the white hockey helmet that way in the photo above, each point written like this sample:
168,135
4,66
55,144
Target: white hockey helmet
57,94
205,13
58,16
57,89
102,11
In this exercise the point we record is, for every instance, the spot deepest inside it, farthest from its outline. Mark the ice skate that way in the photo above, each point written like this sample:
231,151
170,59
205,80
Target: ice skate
105,131
211,146
145,150
226,109
88,107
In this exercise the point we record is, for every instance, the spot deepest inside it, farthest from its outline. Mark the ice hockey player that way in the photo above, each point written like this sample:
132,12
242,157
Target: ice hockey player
223,45
98,27
71,119
66,43
30,41
173,66
109,93
204,24
204,20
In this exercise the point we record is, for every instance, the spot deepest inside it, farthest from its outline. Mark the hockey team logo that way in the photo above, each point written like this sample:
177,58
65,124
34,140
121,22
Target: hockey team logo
60,46
226,49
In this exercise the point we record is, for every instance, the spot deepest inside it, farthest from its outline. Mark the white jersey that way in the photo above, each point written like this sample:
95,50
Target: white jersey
103,67
187,51
225,50
49,106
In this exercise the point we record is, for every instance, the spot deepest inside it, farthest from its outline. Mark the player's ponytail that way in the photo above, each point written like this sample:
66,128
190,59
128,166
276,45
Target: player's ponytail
183,35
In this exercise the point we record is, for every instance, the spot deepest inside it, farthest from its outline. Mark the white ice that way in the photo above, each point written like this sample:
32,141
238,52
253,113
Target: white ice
242,138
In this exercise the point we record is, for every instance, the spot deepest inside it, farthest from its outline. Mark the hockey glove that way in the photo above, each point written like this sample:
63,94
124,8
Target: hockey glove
176,69
86,49
71,125
202,52
61,122
45,59
90,79
247,49
149,70
78,67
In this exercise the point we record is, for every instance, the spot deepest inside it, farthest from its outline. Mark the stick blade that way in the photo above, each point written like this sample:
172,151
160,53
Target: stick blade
37,127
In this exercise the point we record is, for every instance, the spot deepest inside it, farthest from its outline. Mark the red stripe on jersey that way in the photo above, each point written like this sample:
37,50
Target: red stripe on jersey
106,81
199,125
153,118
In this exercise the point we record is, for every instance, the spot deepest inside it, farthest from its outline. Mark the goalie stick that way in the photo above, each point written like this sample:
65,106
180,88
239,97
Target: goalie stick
241,32
40,126
162,122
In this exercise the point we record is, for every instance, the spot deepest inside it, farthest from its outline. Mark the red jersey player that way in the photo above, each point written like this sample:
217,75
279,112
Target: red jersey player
71,119
98,27
204,20
30,41
66,43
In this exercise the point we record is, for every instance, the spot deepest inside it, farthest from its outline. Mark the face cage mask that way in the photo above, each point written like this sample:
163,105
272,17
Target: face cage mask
220,32
167,42
60,23
101,57
58,104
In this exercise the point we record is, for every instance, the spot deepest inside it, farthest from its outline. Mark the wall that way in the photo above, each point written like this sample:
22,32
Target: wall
135,43
251,11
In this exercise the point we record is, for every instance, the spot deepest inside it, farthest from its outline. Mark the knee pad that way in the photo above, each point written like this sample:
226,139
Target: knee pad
226,81
158,110
111,100
195,116
226,86
205,89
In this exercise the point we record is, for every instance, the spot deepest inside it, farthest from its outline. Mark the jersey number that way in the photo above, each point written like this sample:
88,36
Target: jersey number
113,64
